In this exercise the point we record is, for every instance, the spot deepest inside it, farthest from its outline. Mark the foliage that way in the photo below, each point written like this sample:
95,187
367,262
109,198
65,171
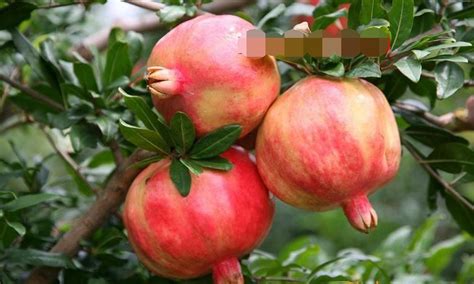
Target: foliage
92,109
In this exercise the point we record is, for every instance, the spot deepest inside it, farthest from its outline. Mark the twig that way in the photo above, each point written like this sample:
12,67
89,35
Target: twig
458,120
104,206
32,93
149,5
68,160
448,188
14,125
148,23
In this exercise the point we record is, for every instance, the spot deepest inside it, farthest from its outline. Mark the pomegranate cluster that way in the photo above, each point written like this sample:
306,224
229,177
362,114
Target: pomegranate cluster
324,143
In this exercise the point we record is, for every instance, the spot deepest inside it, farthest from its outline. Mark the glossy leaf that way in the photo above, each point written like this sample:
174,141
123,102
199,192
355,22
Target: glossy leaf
85,75
181,177
38,258
365,70
409,67
452,158
144,138
182,131
433,136
274,13
371,9
216,163
84,135
449,78
145,162
117,63
441,254
460,213
28,201
15,13
216,142
192,166
401,21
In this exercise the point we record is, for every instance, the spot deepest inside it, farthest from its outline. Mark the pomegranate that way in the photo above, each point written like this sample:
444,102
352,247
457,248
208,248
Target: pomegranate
226,215
327,143
197,68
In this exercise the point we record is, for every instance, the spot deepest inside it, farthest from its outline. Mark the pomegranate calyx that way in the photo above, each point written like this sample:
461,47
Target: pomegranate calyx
360,214
227,272
162,82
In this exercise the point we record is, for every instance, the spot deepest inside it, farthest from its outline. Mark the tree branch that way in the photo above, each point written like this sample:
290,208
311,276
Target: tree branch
32,93
458,120
148,23
149,5
432,172
105,205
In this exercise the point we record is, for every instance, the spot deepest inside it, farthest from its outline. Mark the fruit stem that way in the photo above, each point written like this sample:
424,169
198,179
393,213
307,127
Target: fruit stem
227,272
162,82
360,214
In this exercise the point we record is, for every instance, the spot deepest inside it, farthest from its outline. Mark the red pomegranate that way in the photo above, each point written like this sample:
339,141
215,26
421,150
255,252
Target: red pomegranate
226,215
197,68
327,143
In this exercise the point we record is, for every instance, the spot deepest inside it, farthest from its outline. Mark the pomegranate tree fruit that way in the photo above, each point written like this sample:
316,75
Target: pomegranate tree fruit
197,68
225,215
327,143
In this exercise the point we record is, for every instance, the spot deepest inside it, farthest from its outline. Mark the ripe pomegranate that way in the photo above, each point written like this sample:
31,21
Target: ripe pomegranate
197,68
226,215
327,143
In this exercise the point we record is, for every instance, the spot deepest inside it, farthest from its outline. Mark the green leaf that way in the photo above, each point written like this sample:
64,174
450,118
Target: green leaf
147,161
86,77
424,236
84,135
150,119
452,158
322,22
449,58
460,213
440,255
336,71
274,13
434,189
409,67
18,227
354,14
182,131
321,279
467,12
216,163
216,142
108,127
117,63
456,44
370,10
314,272
433,136
396,242
420,54
38,258
401,21
192,166
365,70
27,201
144,138
181,177
449,78
15,13
171,13
425,88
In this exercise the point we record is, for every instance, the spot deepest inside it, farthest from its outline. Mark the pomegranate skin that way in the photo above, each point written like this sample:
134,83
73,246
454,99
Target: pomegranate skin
226,215
327,143
197,68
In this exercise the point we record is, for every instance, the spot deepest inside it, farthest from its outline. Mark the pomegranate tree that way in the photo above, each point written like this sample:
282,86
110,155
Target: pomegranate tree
225,215
197,68
327,143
